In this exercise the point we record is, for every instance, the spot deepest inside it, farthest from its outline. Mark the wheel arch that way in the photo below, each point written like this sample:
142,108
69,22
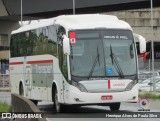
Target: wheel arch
21,83
54,86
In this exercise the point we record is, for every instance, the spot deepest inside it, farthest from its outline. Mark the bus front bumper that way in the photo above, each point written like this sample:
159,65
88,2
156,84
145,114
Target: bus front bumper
75,96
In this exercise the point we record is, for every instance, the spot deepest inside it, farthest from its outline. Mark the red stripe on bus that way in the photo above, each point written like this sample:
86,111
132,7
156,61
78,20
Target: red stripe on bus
15,63
109,84
40,61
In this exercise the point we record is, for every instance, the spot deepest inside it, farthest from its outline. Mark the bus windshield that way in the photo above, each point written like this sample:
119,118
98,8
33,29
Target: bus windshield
104,53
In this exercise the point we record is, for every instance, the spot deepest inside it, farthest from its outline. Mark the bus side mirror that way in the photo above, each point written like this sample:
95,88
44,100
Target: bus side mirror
140,42
66,45
142,46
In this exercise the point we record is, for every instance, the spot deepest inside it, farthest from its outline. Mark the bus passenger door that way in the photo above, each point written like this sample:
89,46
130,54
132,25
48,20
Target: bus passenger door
28,79
65,79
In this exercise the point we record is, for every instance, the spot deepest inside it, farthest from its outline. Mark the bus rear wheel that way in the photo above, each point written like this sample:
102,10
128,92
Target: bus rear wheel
21,90
114,106
35,101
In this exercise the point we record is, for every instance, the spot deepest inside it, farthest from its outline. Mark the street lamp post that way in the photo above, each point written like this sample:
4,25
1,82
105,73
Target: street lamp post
73,7
21,12
152,31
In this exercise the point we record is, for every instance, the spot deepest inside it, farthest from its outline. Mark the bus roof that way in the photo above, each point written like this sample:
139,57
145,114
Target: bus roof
84,21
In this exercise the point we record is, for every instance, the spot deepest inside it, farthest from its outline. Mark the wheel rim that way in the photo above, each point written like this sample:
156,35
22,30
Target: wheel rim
56,102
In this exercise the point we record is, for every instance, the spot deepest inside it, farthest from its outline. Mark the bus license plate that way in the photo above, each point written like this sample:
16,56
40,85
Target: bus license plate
106,97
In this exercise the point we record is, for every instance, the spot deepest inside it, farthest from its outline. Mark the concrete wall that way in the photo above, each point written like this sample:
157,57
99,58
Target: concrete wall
3,11
140,20
6,27
21,105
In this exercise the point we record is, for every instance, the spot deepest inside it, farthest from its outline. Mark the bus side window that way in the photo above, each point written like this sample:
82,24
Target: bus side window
15,45
52,41
12,47
32,37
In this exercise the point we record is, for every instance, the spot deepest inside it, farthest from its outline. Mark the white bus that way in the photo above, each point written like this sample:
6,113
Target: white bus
75,60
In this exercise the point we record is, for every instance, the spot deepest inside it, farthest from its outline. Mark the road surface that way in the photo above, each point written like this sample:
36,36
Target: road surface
5,97
88,113
96,113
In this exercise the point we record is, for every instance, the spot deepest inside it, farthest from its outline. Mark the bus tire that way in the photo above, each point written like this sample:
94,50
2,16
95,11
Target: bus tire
35,101
21,89
114,106
58,106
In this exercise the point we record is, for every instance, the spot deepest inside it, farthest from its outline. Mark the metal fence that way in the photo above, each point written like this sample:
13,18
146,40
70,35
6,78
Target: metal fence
4,80
4,75
145,69
146,81
147,65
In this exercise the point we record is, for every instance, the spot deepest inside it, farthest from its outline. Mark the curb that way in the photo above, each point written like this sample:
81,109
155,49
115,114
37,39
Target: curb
5,90
23,105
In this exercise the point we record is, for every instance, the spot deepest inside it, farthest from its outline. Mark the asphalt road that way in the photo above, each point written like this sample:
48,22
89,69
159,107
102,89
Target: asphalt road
5,97
89,113
95,113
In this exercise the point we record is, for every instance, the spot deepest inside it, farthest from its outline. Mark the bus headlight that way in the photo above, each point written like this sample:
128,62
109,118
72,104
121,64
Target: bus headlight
79,86
131,85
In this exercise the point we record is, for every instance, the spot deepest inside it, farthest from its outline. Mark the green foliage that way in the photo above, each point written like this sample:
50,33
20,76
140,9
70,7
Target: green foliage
150,95
4,107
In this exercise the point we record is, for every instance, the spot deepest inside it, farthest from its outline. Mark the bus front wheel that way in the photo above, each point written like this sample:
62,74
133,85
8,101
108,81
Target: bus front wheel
58,106
115,106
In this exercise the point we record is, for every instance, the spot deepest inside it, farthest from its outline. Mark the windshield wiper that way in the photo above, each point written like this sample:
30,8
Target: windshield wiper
114,60
94,64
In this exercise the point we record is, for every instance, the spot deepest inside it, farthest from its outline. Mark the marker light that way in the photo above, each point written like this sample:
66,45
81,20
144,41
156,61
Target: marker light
72,37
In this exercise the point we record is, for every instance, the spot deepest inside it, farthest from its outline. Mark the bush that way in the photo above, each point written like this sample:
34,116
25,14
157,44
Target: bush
150,95
4,107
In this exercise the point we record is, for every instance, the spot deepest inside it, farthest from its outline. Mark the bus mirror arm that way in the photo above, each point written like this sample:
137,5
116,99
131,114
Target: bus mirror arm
66,45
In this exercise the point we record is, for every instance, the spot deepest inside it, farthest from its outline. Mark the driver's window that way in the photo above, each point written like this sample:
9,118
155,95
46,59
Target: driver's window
131,51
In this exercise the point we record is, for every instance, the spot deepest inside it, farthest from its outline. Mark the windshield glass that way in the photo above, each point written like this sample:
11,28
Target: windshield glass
91,54
123,50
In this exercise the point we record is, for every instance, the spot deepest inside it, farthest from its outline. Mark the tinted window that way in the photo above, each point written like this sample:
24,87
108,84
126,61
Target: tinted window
34,42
